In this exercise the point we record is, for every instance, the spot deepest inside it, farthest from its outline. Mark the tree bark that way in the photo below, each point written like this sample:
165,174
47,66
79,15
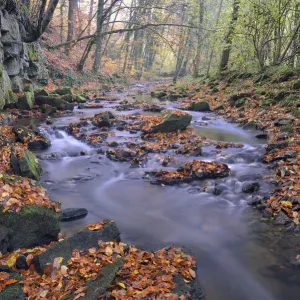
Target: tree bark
99,38
229,37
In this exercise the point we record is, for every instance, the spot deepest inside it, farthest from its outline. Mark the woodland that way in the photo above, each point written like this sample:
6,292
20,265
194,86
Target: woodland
149,149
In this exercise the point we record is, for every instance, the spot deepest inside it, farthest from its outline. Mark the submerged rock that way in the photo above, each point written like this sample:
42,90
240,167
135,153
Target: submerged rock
282,219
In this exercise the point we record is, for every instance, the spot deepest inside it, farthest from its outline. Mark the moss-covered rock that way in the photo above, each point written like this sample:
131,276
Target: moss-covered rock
173,122
63,91
82,240
200,106
26,101
29,88
80,99
158,94
27,165
103,119
41,92
32,52
54,102
68,97
32,226
35,141
13,291
10,99
250,126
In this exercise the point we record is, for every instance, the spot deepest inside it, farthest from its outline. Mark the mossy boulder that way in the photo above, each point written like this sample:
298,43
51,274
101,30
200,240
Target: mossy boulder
252,125
172,122
48,110
26,101
63,91
158,94
35,142
28,88
27,165
80,99
82,240
68,97
11,99
41,92
54,102
32,52
32,226
200,106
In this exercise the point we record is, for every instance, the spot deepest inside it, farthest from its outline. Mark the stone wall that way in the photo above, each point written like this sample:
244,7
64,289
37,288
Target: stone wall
20,63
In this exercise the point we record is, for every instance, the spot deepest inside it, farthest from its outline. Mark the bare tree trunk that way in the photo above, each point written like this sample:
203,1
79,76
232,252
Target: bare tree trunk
72,7
99,38
196,63
61,8
229,36
90,16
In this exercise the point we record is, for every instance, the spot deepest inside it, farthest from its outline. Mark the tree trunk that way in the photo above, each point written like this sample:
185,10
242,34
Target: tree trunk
229,37
99,38
90,16
199,39
72,7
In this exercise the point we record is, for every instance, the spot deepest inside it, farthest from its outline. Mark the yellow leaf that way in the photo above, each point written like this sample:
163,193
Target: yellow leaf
12,260
122,285
44,293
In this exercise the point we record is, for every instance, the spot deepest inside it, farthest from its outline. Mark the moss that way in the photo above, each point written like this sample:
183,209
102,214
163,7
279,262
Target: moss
260,91
26,101
1,71
296,84
32,52
29,88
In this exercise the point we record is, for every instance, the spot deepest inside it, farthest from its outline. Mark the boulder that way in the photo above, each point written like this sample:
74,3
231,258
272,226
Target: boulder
4,238
71,214
200,106
26,101
173,121
26,165
63,91
80,99
35,142
41,92
82,240
54,102
32,226
103,119
68,97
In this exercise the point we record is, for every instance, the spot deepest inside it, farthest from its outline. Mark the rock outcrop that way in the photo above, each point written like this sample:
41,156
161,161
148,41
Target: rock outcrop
20,63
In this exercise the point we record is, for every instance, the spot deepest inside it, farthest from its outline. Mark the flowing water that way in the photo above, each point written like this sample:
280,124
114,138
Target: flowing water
235,260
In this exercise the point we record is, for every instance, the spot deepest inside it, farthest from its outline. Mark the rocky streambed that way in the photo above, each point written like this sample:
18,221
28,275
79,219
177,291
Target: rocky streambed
167,178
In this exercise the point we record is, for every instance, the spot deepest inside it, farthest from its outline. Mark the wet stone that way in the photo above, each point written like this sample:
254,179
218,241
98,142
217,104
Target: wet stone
251,187
71,214
282,219
21,263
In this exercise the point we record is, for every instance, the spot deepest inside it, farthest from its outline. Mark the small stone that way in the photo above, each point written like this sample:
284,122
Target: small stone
21,263
282,219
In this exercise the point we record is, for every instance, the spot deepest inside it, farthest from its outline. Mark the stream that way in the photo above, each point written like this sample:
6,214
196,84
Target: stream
236,260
